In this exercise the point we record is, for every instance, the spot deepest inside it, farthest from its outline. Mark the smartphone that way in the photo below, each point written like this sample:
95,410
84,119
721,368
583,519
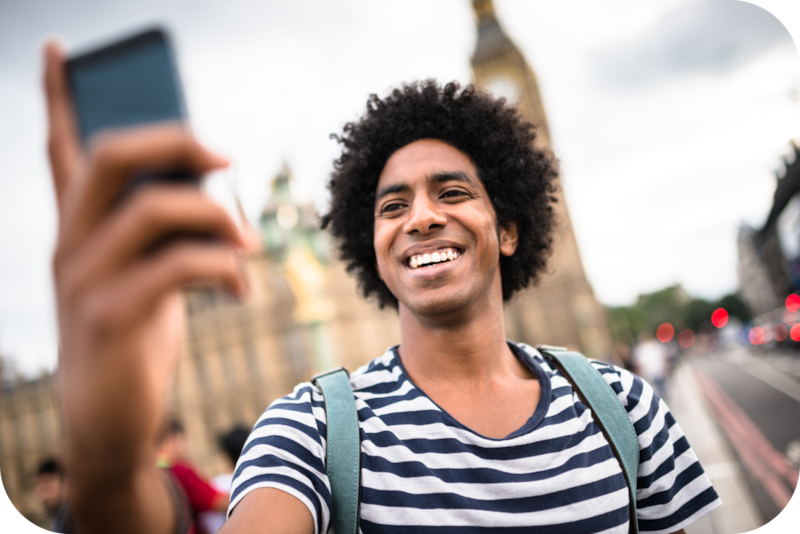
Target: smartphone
129,82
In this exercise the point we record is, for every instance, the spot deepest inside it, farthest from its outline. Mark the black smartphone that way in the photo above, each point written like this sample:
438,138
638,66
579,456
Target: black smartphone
129,82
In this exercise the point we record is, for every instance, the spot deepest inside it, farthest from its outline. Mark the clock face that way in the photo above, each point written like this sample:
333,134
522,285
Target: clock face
504,87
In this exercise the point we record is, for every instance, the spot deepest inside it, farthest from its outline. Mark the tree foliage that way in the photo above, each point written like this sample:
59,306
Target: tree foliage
671,305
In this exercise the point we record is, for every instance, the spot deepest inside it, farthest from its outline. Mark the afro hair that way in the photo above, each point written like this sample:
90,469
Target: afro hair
518,176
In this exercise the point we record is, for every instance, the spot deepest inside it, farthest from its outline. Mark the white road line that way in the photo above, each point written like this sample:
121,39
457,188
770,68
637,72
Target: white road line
769,375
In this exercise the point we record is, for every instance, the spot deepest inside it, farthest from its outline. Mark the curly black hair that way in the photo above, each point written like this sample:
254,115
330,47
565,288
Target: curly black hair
518,176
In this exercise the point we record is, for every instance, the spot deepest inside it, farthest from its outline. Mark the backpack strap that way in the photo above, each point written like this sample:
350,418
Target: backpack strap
343,455
610,415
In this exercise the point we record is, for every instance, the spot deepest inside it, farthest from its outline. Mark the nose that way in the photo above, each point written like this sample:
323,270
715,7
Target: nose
423,217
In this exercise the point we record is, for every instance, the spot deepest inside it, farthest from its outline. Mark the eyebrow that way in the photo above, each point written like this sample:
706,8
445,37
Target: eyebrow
437,178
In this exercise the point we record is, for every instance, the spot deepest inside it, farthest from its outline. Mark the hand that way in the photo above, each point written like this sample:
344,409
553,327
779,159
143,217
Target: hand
119,305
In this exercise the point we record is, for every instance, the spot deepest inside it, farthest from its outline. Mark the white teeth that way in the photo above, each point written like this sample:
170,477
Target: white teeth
433,257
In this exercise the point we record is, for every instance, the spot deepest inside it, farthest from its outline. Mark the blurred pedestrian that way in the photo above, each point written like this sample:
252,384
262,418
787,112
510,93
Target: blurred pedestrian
622,354
202,496
50,489
231,443
652,362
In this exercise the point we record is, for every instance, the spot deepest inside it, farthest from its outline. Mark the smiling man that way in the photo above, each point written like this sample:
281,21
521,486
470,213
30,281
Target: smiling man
442,208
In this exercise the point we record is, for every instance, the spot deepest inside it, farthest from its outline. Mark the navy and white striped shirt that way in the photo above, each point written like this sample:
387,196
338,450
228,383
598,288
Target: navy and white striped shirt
422,469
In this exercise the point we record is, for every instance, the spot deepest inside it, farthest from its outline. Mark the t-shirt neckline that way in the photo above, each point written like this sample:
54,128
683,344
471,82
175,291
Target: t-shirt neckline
533,421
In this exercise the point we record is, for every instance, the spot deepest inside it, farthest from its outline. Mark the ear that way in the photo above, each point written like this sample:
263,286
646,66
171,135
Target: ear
509,238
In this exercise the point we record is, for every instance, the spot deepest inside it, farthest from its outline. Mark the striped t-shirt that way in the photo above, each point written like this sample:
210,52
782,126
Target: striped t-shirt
422,470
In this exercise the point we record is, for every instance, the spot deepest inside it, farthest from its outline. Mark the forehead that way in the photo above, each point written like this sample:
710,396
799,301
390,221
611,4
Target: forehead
423,158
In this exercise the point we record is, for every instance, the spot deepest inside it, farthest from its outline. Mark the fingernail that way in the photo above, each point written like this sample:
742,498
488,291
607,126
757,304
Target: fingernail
218,161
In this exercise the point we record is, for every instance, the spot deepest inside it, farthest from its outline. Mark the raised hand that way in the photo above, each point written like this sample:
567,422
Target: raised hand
119,304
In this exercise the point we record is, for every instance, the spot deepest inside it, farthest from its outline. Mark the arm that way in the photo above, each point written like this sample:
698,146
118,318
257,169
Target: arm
269,510
119,309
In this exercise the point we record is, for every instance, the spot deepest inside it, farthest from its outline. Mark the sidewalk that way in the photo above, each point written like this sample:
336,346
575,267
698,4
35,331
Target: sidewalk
738,512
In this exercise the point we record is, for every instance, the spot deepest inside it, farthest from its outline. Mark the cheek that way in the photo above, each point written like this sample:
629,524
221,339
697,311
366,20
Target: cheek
380,246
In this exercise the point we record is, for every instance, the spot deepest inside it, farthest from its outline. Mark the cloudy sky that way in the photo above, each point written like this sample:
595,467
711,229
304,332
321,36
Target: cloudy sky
670,118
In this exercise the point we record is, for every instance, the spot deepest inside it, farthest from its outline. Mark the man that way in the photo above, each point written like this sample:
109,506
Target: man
652,362
202,496
443,208
50,489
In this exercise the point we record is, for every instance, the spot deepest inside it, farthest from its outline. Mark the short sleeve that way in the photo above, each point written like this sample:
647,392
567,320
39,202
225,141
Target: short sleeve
286,451
672,491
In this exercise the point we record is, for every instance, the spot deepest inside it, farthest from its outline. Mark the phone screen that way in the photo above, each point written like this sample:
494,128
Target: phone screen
127,83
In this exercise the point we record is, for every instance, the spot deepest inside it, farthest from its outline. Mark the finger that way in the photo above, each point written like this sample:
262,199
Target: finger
132,296
153,213
63,145
115,156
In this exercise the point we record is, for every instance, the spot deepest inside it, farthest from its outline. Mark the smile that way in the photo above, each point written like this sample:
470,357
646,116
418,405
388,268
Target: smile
424,260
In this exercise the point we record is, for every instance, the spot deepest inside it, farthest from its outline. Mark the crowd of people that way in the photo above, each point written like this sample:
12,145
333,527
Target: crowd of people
206,499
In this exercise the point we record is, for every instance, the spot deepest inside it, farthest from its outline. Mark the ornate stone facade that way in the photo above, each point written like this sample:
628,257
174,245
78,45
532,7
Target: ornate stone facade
29,431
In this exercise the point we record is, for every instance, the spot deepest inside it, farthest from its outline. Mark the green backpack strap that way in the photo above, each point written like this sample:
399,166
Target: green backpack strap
343,457
608,412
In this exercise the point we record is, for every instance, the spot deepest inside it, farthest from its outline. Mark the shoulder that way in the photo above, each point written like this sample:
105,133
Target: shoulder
635,394
304,408
287,446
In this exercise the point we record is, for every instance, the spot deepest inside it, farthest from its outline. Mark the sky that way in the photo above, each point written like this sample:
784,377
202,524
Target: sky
669,117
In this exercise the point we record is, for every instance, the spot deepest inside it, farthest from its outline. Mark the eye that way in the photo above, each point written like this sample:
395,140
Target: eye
389,207
453,193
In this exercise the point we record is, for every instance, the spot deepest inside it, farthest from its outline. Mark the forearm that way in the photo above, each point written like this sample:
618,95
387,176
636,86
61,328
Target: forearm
111,409
139,503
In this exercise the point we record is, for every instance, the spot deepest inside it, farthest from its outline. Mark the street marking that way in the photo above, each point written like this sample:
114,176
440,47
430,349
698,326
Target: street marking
776,474
770,376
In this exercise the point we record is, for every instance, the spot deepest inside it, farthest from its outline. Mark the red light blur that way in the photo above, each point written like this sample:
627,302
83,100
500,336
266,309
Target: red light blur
757,335
719,318
793,302
794,332
665,332
686,338
779,332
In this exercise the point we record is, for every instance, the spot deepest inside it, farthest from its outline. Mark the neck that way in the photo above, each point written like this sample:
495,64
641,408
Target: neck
467,345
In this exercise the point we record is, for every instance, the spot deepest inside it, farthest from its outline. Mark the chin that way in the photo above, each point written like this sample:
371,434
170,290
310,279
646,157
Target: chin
439,308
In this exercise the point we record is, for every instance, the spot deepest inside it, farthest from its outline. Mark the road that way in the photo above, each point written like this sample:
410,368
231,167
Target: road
754,397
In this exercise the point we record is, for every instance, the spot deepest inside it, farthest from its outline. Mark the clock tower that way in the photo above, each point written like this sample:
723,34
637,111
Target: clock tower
562,310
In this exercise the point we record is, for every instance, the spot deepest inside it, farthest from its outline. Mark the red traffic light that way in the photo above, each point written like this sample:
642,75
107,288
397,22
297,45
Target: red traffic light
793,302
794,332
756,335
665,332
719,318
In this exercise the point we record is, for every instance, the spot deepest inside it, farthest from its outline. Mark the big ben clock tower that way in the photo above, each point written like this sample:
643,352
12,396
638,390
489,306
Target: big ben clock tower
562,310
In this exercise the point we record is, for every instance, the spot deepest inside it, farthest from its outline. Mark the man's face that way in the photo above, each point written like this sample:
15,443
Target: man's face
430,202
48,491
